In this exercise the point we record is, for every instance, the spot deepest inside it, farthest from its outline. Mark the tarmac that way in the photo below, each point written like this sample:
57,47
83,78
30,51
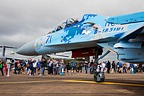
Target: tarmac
78,84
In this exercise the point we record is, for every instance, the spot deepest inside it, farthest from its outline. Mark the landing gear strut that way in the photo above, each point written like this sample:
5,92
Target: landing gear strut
98,75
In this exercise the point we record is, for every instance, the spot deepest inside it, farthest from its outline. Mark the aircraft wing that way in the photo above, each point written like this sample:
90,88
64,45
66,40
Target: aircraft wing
127,19
7,46
139,31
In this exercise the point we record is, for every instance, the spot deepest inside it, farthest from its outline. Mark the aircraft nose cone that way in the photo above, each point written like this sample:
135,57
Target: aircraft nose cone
27,49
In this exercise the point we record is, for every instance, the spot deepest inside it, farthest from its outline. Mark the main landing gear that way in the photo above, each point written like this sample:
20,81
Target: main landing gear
98,73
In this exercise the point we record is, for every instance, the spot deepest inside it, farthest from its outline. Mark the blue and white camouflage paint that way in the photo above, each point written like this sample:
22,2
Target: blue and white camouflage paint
119,34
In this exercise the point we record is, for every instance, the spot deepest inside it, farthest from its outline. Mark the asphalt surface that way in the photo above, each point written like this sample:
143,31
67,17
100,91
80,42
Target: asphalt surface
78,84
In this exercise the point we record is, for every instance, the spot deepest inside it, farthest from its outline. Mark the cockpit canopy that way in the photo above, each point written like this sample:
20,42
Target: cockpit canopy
65,24
71,21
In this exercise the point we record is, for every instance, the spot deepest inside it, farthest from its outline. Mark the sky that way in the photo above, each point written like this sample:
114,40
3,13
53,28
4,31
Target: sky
24,20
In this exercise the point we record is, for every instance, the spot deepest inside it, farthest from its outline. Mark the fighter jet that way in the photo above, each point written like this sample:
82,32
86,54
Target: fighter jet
12,55
87,36
3,57
120,34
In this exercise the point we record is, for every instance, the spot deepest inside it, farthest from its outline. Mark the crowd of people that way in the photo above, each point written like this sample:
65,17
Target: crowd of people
120,67
33,67
55,67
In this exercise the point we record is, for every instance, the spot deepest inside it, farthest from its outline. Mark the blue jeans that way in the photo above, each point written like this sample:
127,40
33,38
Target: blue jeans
57,70
34,69
43,70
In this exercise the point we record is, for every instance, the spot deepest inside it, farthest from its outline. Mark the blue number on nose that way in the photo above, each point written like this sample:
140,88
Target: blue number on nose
48,39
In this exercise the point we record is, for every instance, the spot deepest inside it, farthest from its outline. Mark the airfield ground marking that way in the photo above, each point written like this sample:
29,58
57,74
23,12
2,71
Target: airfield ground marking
26,82
74,81
105,83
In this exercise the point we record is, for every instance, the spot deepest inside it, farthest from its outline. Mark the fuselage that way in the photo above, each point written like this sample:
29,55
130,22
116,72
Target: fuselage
91,31
85,33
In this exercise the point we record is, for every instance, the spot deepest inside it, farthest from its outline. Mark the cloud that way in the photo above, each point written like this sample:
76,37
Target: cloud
25,20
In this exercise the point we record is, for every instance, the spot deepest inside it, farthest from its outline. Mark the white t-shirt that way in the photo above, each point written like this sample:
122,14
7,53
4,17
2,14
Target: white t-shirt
34,64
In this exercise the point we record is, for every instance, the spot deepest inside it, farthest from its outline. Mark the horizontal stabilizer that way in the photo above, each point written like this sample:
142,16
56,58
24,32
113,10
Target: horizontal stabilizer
126,19
5,46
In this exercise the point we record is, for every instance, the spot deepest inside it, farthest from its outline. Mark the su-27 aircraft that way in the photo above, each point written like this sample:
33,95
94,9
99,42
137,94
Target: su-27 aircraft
123,35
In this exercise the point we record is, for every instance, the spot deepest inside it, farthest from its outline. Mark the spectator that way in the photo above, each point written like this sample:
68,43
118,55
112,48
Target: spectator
74,66
1,67
5,68
38,67
135,68
143,67
61,63
113,67
30,62
103,64
34,67
91,67
57,67
68,68
140,67
120,67
15,67
124,68
23,64
128,67
19,67
50,66
54,67
132,68
43,65
28,68
80,67
86,67
108,66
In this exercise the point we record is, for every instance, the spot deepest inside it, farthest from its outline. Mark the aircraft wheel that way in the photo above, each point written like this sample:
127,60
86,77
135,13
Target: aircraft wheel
99,76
